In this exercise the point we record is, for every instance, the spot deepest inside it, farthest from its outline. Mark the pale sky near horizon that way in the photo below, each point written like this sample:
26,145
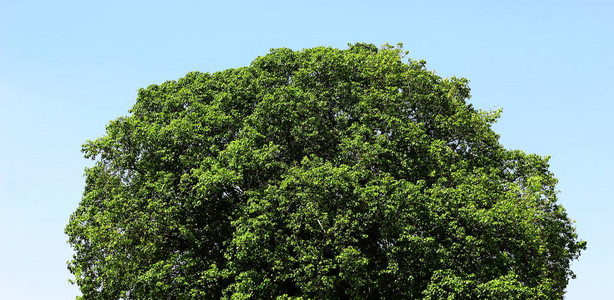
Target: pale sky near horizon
69,67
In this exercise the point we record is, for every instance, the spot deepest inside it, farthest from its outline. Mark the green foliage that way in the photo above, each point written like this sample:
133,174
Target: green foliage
316,174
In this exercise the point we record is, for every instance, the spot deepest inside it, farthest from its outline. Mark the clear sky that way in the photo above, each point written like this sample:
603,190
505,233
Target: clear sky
69,67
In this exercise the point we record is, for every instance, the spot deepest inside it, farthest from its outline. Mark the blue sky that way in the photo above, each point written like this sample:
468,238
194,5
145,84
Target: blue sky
69,67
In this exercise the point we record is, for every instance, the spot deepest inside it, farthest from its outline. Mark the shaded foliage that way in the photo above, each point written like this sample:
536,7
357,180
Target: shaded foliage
316,174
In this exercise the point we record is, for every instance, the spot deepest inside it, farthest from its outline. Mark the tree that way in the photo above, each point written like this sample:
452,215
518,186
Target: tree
317,174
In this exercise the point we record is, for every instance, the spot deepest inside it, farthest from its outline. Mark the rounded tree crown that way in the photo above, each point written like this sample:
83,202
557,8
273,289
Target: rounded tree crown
316,174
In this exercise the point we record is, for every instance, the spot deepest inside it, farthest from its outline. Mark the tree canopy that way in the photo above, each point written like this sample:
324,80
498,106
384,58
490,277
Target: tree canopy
317,174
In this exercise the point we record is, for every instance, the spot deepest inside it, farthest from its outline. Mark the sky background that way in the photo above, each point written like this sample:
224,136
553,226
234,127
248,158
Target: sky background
69,67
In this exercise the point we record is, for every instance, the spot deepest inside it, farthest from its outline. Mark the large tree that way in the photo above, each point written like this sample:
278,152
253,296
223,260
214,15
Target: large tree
316,174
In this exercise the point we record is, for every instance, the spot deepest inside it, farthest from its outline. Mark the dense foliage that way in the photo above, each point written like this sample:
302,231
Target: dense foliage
316,174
